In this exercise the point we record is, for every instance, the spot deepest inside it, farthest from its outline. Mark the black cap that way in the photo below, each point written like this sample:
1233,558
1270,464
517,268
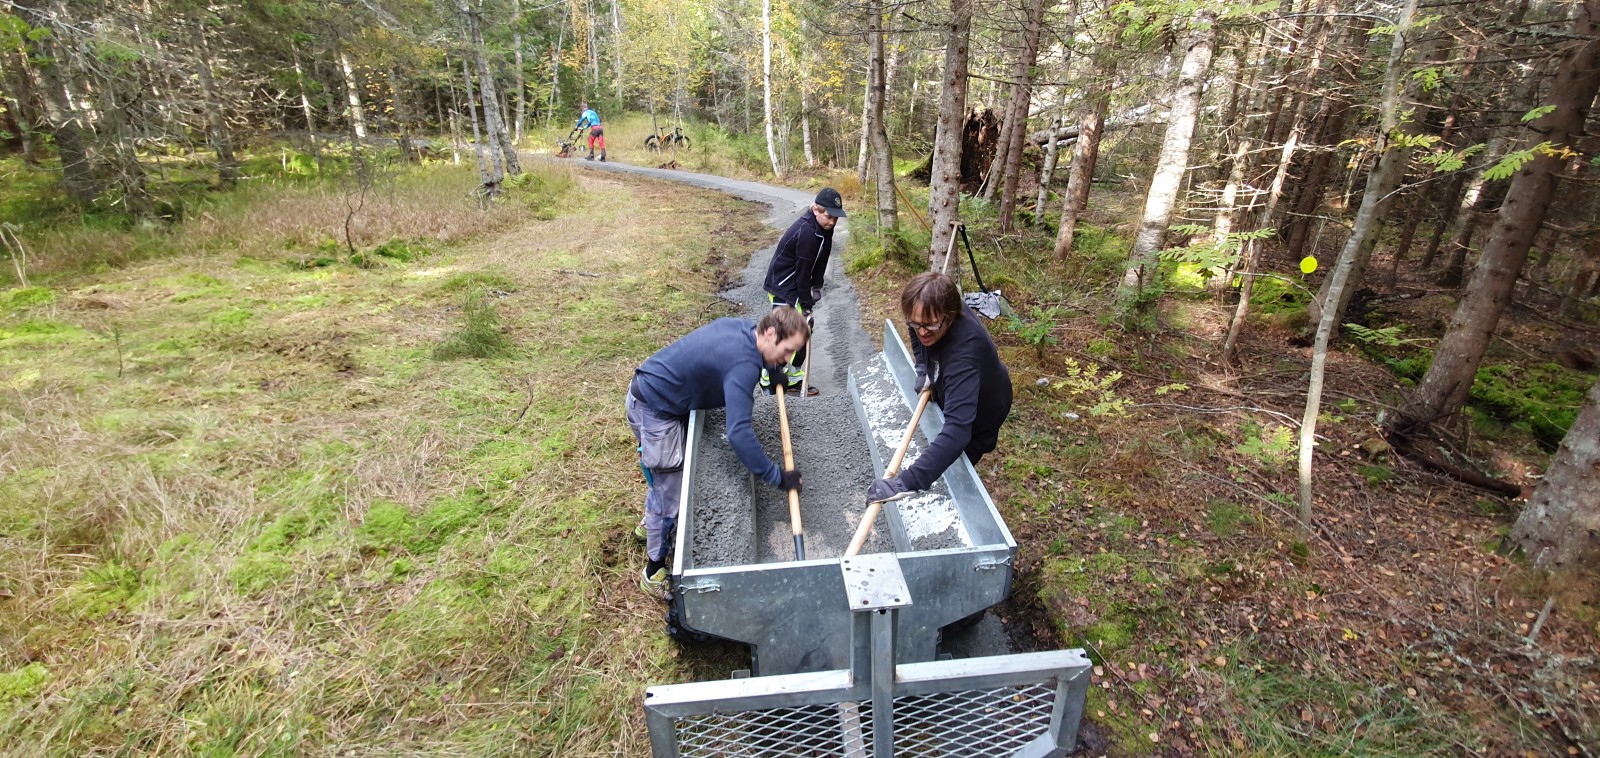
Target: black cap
830,201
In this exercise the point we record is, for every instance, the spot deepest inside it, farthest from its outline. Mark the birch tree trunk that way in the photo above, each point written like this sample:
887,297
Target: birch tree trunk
1052,153
616,47
1560,525
494,124
944,187
1173,160
352,95
1380,183
490,172
805,102
555,75
305,106
1444,388
1021,99
521,118
766,85
882,158
866,118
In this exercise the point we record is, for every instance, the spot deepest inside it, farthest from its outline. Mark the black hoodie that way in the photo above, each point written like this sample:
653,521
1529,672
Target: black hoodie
799,262
973,389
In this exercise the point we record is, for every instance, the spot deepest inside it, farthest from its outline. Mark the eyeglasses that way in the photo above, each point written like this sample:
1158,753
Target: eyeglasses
927,328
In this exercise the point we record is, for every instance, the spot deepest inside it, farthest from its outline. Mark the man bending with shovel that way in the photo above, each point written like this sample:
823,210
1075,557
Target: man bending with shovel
956,358
715,366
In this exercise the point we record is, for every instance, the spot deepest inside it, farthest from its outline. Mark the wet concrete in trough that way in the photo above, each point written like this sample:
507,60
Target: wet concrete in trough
829,444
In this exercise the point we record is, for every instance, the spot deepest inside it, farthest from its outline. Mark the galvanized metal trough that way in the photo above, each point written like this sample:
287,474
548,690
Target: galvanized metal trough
792,613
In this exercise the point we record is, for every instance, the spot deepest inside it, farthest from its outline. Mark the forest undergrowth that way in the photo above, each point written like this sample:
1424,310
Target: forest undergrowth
1151,491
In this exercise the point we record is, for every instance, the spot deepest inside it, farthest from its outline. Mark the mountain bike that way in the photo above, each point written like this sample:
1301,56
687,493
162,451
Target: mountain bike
664,140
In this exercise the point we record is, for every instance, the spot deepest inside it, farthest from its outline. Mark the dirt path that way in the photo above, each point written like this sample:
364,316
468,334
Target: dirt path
839,339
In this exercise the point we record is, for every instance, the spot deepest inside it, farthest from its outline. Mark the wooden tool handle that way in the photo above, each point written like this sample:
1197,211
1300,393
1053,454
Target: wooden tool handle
911,431
788,465
871,514
805,366
949,249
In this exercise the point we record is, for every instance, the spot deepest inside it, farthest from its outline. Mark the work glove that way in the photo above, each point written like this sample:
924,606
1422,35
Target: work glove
772,382
886,488
790,480
923,380
816,294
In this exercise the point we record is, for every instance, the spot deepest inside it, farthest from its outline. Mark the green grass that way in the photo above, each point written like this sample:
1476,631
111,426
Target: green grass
252,479
1327,712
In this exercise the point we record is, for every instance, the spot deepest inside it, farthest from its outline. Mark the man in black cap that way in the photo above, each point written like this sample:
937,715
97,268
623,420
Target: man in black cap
795,276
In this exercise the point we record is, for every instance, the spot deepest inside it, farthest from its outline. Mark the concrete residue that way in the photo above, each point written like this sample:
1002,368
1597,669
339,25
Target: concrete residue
930,517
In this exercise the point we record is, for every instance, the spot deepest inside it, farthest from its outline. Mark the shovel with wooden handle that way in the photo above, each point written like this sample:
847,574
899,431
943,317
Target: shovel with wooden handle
788,465
805,371
893,468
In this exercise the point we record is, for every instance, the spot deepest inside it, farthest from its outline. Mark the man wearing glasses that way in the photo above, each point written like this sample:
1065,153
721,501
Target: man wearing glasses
956,357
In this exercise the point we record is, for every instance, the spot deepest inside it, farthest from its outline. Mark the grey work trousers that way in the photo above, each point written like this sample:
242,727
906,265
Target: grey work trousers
652,430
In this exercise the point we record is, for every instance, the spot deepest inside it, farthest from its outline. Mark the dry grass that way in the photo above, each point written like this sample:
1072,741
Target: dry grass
244,512
273,216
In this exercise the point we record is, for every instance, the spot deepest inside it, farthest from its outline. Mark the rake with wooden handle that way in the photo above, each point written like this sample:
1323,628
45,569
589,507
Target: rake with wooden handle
788,465
871,514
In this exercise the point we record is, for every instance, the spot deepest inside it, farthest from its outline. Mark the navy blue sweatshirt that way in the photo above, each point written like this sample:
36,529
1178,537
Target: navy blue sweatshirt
799,262
973,389
715,366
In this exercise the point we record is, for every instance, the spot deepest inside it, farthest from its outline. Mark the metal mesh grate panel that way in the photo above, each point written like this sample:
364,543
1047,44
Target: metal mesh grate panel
972,722
833,729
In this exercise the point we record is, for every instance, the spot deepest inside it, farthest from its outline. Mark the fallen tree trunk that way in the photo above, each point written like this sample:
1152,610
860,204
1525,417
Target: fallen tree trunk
1066,133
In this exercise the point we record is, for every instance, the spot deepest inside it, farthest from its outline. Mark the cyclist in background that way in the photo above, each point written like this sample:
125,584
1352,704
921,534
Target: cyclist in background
597,136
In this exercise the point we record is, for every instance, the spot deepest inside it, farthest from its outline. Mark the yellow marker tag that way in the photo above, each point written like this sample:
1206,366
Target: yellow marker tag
1308,264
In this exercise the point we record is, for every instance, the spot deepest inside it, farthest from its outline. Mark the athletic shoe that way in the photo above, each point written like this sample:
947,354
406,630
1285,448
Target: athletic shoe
655,585
638,532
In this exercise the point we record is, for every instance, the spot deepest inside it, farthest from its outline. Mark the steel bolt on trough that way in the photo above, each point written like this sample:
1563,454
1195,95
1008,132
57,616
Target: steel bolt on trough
789,612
